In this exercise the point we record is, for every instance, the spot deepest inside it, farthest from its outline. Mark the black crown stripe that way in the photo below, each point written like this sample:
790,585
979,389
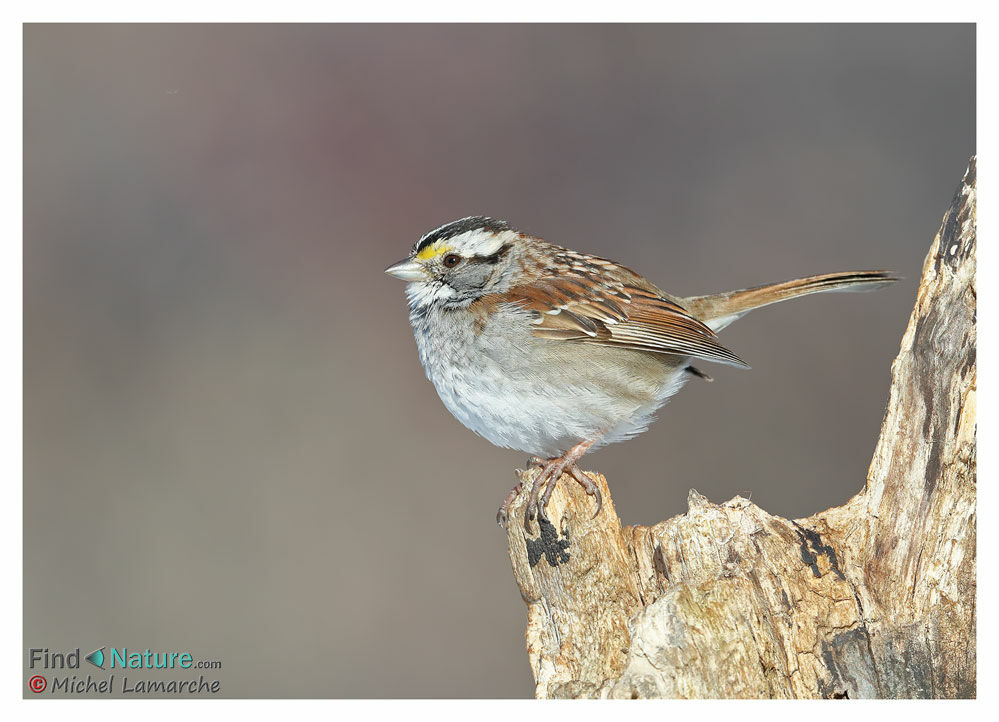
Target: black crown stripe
456,228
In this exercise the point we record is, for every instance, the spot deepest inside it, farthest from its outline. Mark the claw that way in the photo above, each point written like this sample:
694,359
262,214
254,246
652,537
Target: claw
589,487
600,503
556,470
503,514
532,510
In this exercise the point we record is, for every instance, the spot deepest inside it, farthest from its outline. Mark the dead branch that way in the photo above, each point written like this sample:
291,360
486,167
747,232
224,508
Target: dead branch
875,598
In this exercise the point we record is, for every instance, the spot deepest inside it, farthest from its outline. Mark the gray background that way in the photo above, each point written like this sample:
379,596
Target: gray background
230,446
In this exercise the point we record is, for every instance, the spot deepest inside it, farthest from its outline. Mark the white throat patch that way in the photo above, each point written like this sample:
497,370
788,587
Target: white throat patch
423,293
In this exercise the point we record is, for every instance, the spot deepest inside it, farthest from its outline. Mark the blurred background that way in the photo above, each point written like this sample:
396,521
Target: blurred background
230,445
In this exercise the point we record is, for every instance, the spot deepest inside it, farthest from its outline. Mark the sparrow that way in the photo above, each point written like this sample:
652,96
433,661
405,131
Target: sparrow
553,352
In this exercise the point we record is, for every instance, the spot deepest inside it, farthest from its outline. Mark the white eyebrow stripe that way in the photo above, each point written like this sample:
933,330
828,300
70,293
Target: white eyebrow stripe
480,242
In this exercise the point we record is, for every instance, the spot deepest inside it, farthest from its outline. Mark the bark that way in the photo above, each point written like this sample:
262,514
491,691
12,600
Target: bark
875,598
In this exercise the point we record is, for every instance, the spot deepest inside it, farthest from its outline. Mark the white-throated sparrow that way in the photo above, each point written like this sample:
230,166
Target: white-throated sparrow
552,352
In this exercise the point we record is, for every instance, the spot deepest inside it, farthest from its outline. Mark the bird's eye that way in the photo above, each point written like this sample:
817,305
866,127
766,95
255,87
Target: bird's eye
451,260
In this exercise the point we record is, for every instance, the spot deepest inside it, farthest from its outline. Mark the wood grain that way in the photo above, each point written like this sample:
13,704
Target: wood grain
872,599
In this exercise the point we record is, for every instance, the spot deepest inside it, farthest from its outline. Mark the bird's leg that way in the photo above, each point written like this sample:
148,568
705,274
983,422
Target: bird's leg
558,470
532,504
553,472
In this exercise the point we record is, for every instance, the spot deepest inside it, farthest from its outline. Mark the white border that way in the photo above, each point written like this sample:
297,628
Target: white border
11,314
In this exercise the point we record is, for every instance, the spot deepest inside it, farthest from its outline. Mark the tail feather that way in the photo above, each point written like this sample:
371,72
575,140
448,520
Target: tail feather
719,310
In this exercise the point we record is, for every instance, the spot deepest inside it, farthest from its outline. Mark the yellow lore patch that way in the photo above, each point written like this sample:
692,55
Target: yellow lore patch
433,250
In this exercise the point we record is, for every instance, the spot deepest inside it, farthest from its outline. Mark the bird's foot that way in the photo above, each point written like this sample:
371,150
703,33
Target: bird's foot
550,474
589,486
503,515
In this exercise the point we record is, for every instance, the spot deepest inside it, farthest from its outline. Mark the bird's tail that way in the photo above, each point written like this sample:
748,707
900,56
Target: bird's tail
720,309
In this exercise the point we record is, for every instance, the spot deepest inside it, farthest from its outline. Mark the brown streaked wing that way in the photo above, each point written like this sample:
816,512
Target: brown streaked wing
615,307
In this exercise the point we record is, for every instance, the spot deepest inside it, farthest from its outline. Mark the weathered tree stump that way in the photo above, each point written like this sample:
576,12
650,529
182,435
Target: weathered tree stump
875,598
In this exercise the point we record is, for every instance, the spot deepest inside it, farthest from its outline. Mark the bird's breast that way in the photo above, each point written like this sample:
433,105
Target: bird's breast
539,396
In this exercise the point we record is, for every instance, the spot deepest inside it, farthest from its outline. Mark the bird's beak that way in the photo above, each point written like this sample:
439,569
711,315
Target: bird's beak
408,270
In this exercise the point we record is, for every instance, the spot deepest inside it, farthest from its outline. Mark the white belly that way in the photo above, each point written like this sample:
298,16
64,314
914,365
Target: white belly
504,388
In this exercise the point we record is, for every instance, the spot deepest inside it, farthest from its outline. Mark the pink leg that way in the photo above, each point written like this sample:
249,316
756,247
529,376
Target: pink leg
588,486
551,474
503,515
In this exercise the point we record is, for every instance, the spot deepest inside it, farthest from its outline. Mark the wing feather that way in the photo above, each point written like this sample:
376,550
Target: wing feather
592,300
